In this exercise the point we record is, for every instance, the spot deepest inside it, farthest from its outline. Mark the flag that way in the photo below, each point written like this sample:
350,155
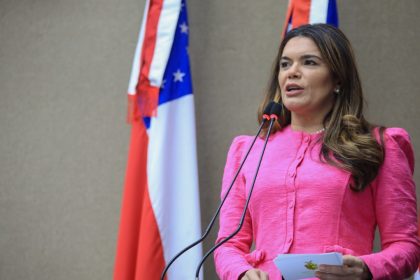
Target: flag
301,12
160,212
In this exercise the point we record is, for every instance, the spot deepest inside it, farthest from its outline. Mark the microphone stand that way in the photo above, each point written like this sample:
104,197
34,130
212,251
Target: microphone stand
266,117
273,118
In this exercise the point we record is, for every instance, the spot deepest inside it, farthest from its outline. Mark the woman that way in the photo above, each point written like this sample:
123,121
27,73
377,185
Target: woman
328,177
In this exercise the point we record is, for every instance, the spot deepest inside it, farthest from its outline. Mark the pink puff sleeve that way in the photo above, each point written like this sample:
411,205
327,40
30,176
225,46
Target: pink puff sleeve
395,205
230,257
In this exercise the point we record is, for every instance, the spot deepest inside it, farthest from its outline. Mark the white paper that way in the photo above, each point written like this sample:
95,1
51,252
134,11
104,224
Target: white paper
301,266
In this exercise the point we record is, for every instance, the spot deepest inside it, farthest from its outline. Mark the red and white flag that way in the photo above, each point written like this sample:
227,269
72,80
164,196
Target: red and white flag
160,211
301,12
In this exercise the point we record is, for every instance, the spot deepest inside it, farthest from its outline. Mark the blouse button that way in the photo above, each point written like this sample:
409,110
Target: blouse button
292,173
306,139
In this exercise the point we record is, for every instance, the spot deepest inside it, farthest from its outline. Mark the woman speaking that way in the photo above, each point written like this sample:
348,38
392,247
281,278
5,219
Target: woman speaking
328,178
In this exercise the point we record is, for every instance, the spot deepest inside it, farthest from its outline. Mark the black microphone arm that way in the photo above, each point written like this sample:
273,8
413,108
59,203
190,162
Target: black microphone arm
266,116
275,113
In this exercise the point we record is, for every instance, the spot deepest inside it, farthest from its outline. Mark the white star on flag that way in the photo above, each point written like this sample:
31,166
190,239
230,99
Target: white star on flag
178,76
184,28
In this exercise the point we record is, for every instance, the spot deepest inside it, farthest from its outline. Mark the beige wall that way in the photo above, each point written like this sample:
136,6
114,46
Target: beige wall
64,68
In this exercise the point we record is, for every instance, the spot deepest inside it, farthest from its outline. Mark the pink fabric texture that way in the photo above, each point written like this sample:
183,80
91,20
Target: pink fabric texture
301,205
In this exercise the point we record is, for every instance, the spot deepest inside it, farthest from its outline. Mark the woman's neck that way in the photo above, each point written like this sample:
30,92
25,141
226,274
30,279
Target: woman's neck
306,124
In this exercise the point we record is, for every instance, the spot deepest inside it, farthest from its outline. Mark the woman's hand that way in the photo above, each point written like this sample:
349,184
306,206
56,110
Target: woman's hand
255,274
352,268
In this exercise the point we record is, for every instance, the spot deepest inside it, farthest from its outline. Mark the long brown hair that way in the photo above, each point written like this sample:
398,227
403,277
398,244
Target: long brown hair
348,142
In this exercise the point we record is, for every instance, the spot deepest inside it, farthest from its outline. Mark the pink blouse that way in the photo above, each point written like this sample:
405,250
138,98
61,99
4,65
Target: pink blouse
301,205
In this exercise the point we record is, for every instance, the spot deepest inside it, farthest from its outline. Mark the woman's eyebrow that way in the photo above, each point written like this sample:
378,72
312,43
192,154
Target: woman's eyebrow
311,56
305,56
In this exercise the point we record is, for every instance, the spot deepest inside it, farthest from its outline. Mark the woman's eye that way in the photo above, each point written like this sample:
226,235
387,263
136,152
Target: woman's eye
310,62
284,64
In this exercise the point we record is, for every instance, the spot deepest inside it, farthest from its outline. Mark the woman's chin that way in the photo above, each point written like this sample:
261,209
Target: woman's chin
295,107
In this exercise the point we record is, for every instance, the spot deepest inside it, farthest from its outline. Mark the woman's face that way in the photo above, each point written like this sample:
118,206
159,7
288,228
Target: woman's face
305,80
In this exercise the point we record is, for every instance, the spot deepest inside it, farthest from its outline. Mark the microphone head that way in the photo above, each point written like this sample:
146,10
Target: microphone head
267,110
275,110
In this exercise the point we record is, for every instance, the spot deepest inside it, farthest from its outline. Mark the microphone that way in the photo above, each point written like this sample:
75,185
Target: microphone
266,116
274,115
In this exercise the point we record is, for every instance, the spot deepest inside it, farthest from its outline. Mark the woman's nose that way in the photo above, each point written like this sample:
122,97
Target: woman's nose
294,71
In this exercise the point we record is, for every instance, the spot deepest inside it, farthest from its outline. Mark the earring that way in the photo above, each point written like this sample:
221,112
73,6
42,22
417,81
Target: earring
337,90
